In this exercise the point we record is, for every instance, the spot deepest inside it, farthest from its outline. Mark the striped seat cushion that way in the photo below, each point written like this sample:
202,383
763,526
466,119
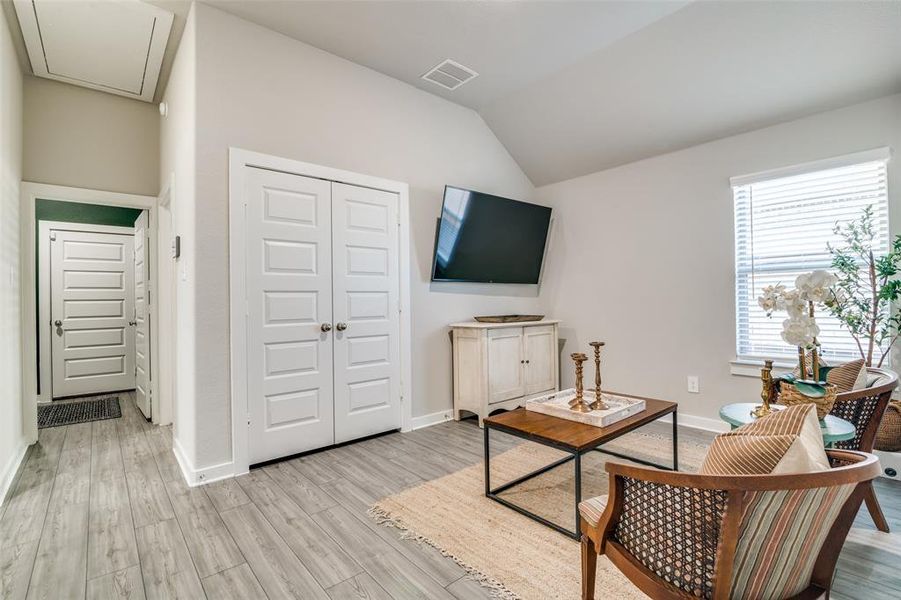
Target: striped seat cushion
592,509
786,441
780,538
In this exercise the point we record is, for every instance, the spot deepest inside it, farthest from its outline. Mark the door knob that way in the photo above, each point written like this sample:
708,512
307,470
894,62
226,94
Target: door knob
341,326
325,327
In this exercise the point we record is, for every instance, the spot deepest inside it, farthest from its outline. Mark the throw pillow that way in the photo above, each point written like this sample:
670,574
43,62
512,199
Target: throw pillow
786,441
849,376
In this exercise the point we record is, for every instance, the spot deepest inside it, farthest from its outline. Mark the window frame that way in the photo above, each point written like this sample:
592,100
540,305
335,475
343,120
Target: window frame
748,364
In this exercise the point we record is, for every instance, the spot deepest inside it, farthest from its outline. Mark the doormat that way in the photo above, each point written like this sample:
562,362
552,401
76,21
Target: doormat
68,413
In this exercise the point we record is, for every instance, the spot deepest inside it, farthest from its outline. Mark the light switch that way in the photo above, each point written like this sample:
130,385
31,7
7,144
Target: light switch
694,384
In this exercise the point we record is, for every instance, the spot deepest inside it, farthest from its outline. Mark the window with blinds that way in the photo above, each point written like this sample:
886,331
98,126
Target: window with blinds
783,222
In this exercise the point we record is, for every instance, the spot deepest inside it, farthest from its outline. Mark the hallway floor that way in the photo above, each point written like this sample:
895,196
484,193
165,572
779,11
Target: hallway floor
100,510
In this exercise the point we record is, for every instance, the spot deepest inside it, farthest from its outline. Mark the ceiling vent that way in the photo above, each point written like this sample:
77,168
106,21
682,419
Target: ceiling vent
450,75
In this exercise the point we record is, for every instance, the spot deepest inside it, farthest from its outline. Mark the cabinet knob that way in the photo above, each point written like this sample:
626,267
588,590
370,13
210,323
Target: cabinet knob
527,362
341,326
325,327
522,362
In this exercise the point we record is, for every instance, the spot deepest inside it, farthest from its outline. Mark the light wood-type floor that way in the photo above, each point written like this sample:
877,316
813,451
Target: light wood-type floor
100,510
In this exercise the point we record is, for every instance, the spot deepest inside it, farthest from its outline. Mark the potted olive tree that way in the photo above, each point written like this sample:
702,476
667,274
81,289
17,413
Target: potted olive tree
866,296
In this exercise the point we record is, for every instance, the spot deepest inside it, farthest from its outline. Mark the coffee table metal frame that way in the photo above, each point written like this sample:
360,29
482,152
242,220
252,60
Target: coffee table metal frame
574,455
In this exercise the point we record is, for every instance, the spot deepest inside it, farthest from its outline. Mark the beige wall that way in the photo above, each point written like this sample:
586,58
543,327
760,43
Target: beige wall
262,91
12,441
84,138
646,258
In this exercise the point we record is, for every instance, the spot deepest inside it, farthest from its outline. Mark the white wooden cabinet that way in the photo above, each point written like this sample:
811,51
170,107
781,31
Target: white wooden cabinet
501,365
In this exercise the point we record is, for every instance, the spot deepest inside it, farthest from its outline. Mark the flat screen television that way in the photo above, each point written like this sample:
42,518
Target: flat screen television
489,239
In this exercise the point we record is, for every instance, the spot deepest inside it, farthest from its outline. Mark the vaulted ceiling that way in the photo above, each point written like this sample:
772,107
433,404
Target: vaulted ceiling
575,87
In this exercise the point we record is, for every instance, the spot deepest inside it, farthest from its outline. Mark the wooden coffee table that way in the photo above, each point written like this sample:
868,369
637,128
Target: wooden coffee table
575,439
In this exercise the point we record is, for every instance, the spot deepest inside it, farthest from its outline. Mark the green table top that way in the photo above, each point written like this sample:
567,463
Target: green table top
834,428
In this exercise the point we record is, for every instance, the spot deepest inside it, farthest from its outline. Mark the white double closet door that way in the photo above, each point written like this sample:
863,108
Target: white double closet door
323,326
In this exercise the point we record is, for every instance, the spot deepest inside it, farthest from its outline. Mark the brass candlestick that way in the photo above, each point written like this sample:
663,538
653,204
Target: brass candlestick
598,403
767,390
578,403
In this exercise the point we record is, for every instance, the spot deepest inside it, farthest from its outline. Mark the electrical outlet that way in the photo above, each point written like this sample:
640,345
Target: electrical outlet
694,384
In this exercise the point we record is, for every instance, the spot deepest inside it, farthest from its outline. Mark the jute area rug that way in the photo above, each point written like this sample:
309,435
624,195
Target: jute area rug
515,556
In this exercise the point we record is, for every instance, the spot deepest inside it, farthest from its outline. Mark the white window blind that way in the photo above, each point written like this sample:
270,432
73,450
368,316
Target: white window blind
783,222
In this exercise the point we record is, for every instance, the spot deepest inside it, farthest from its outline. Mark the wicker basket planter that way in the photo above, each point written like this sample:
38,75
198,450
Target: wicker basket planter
790,396
888,437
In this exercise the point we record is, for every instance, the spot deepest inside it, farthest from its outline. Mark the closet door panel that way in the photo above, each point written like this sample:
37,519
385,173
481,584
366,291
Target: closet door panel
289,298
366,277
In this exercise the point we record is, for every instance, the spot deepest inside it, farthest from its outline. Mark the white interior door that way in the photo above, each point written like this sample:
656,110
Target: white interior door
288,274
92,302
366,282
142,314
505,364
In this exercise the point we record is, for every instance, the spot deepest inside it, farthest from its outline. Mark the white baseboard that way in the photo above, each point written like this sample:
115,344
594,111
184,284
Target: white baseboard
695,422
10,469
431,419
194,477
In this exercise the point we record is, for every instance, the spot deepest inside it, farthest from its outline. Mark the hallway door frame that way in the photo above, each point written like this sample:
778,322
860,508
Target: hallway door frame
30,192
44,275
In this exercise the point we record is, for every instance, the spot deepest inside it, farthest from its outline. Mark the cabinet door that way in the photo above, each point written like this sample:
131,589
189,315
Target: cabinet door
505,364
539,348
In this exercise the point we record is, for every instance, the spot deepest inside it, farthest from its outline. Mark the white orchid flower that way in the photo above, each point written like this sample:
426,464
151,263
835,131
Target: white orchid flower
793,304
800,331
816,286
772,299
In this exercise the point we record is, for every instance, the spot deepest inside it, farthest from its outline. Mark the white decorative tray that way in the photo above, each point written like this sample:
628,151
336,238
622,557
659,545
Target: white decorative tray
557,405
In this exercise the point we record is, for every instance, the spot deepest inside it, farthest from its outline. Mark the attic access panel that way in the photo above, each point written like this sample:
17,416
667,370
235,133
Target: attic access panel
114,47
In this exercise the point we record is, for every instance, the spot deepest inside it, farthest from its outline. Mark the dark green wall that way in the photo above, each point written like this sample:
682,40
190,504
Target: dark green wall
72,212
76,212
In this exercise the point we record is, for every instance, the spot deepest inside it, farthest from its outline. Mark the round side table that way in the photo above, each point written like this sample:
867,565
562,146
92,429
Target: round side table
834,429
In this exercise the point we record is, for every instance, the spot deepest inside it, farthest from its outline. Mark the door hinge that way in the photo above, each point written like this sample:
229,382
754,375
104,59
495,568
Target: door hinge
52,236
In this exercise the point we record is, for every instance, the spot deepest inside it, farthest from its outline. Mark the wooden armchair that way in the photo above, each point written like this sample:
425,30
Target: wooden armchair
761,537
865,409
